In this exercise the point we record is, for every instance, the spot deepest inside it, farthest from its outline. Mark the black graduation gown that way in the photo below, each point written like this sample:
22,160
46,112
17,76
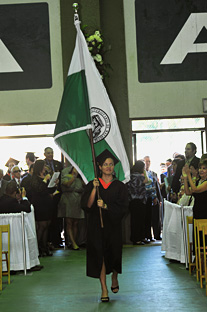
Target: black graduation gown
41,199
105,243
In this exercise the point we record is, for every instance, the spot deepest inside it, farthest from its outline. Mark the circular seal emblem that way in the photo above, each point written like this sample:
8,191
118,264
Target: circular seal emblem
101,124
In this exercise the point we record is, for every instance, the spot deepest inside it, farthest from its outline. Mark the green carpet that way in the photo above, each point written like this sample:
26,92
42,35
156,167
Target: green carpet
149,283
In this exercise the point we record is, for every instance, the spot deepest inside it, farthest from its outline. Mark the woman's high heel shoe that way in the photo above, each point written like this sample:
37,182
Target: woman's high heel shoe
104,299
115,289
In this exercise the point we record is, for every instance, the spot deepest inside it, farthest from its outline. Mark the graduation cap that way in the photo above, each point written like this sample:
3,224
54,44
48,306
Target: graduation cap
12,160
104,155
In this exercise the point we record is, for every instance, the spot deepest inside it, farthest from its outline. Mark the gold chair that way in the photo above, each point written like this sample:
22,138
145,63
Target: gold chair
196,249
199,224
189,220
6,254
204,235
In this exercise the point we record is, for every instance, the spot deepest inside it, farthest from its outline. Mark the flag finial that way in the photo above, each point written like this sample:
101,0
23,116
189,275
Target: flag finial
75,7
76,17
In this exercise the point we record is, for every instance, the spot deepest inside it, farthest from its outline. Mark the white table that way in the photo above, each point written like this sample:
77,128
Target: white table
174,236
23,243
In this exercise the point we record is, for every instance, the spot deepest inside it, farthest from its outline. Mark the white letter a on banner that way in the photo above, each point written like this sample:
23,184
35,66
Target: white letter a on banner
7,62
184,42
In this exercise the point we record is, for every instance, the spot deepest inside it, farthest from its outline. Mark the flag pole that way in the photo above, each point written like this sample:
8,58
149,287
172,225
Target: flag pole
77,21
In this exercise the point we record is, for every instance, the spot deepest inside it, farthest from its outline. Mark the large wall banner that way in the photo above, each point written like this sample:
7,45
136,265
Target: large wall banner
31,63
25,47
171,40
166,52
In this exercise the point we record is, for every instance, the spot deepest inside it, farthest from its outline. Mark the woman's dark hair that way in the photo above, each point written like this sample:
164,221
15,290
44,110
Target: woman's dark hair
179,157
38,167
175,161
202,163
103,159
138,167
204,156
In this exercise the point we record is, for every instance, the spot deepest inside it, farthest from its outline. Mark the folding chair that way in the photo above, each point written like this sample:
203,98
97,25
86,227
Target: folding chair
204,235
199,224
6,254
189,220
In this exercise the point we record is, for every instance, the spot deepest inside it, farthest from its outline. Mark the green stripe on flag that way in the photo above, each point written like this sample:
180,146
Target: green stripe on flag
77,146
82,155
74,110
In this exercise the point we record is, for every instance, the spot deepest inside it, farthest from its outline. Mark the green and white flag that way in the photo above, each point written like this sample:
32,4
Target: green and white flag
85,105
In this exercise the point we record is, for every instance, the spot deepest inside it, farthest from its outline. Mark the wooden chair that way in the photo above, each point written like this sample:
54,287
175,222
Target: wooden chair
189,220
204,235
196,249
4,255
199,224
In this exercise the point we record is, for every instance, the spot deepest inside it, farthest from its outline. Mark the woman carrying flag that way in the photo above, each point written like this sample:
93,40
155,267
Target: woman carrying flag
105,201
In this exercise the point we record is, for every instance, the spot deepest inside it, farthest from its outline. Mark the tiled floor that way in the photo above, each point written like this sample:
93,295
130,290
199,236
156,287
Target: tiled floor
149,283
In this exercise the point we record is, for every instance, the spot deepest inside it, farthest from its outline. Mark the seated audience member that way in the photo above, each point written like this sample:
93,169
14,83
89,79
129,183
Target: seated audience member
10,163
16,174
9,202
3,183
26,182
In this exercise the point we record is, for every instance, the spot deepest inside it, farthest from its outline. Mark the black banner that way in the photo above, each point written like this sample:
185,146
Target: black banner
25,61
171,40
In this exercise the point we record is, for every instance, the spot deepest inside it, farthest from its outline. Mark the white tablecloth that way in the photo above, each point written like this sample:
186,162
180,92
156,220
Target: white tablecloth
16,240
174,236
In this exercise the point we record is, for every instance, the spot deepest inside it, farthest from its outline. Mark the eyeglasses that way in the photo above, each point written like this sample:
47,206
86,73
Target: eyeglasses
15,171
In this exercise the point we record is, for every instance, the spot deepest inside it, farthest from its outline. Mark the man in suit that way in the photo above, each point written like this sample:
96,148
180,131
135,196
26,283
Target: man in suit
51,164
3,183
190,159
56,225
9,202
153,205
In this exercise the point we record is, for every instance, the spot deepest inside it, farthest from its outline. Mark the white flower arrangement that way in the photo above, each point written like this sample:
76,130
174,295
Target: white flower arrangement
96,48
